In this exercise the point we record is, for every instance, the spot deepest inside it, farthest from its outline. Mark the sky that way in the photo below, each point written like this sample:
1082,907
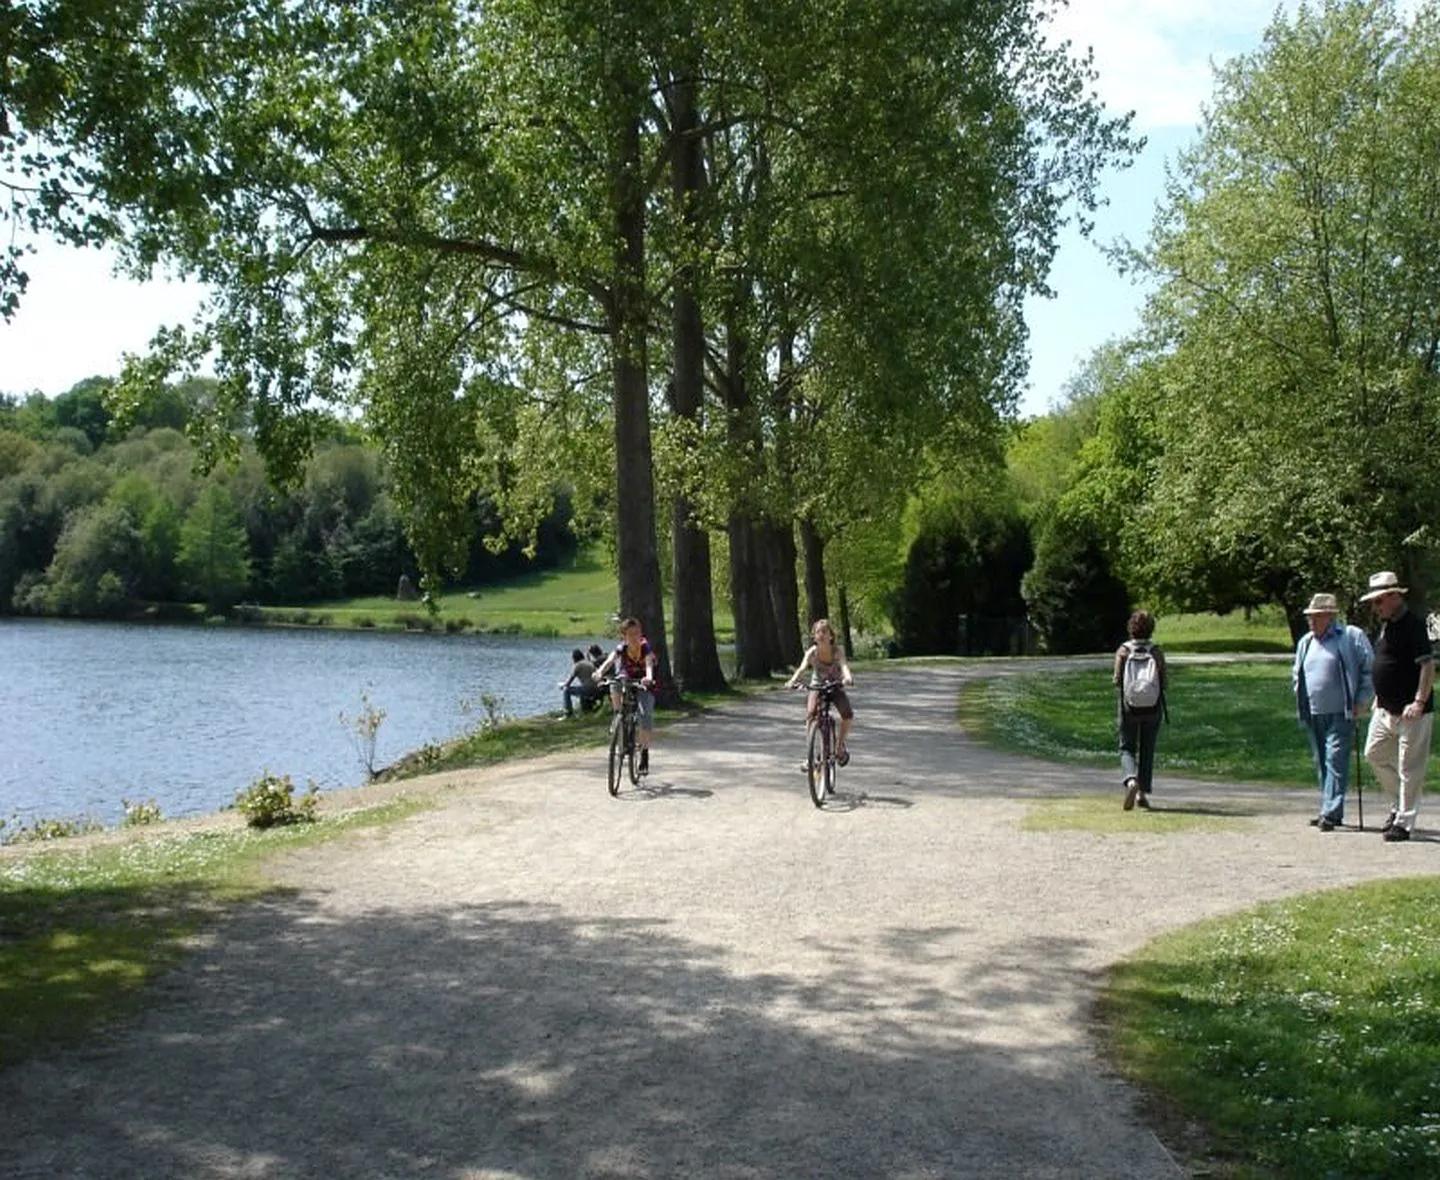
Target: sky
1154,57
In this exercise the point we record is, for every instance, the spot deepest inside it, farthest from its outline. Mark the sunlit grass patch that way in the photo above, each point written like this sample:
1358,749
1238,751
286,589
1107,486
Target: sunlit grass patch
83,928
1233,722
1103,815
1304,1035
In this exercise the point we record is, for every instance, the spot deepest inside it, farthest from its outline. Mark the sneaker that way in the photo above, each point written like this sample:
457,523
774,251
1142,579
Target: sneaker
1389,822
1327,824
1315,821
1142,801
1396,833
1132,790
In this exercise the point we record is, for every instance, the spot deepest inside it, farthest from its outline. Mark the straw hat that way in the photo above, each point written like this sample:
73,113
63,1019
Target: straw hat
1384,582
1323,604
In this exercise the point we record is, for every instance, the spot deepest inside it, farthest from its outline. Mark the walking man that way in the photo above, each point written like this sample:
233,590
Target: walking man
1398,745
1332,683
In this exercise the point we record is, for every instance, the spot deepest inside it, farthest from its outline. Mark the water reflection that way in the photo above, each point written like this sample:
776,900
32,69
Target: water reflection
93,713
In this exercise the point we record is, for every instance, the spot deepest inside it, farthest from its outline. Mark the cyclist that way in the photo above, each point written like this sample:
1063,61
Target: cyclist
826,662
634,659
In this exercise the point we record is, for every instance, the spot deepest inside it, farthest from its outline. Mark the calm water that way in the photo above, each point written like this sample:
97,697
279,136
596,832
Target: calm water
93,713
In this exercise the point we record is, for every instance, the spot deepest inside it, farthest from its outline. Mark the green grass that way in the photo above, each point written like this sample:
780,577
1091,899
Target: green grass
1303,1037
576,602
1099,816
1227,721
84,927
1262,630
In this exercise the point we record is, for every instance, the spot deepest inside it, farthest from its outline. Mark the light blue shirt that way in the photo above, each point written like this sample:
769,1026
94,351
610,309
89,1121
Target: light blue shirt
1333,674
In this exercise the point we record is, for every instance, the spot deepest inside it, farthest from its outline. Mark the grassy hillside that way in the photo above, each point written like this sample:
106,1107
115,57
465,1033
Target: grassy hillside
578,602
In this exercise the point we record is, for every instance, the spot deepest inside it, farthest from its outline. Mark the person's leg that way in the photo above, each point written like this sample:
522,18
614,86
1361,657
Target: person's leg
572,694
1382,751
1339,730
1149,733
1414,753
646,706
847,719
1129,757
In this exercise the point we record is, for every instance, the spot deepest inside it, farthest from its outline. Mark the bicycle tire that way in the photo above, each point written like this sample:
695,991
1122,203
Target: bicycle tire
815,764
831,756
617,752
631,753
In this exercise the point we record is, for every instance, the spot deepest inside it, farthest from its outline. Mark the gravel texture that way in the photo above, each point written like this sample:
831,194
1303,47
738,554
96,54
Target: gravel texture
705,977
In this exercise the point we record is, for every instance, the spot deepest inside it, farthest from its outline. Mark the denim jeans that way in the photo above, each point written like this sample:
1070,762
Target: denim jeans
1331,736
1138,732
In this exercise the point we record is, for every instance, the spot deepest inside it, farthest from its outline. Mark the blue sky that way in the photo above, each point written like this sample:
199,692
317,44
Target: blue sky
1153,56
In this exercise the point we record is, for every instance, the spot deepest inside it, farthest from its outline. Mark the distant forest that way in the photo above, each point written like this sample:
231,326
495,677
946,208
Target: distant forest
101,520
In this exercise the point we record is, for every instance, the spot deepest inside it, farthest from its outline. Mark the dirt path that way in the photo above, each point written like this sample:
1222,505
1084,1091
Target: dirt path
704,978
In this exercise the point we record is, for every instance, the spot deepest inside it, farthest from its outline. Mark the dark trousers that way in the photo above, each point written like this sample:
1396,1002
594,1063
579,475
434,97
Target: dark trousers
1138,732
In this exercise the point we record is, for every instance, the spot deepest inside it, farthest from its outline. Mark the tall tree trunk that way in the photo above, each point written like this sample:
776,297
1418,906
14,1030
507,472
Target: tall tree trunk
846,640
756,644
639,562
697,663
784,591
817,604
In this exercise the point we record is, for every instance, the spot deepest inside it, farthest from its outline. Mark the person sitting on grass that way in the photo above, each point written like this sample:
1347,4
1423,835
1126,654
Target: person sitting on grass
580,685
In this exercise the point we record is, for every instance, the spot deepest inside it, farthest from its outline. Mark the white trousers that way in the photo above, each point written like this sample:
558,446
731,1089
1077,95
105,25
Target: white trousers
1398,751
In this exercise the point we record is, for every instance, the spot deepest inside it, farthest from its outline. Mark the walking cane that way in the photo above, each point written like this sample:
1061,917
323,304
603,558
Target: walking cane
1359,788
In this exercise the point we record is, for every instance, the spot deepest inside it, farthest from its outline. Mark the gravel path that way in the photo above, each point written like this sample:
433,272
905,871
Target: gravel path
706,977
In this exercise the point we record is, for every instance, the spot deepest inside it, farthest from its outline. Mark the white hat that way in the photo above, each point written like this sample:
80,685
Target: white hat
1382,583
1323,604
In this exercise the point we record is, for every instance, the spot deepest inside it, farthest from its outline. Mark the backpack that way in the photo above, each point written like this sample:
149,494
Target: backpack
1141,686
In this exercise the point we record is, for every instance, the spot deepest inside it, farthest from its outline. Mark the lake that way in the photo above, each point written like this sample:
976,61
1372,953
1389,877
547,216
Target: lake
93,713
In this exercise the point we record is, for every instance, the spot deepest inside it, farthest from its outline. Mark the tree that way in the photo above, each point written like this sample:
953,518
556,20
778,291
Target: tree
1296,336
213,555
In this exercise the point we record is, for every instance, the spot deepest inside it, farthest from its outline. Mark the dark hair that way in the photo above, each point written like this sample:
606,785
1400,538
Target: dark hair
596,650
577,655
1141,625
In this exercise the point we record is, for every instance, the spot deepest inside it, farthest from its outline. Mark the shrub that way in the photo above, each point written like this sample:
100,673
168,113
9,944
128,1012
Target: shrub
270,801
141,813
48,829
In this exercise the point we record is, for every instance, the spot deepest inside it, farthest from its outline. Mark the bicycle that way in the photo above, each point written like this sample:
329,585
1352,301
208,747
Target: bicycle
624,749
823,748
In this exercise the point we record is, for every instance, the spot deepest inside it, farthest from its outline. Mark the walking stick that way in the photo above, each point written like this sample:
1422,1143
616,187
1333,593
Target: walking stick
1359,788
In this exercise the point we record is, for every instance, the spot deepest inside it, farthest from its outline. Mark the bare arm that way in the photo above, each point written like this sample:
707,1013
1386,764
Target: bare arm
804,663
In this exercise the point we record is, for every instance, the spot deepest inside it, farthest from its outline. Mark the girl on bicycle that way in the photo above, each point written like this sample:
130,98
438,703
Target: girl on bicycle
827,664
634,659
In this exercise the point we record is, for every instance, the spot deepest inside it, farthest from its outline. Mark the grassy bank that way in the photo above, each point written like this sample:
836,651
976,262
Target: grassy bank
1299,1040
85,924
1227,721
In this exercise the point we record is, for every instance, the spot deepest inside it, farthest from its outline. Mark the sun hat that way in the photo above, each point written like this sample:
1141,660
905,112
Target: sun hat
1384,582
1323,604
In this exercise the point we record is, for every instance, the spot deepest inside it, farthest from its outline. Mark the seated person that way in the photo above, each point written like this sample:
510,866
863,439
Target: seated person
580,685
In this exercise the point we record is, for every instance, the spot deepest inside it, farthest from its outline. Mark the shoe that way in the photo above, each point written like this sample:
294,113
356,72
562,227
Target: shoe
1396,834
843,757
1389,822
1315,821
1132,790
1327,824
1142,801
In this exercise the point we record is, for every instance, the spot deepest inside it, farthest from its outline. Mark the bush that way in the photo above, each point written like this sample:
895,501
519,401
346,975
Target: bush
141,813
48,829
1076,602
270,801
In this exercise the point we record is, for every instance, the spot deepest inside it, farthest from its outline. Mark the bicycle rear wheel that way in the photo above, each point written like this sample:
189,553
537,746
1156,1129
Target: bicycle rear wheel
815,764
617,752
632,754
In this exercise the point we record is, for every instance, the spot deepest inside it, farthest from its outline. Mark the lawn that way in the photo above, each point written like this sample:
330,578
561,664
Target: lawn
1299,1040
577,602
1227,721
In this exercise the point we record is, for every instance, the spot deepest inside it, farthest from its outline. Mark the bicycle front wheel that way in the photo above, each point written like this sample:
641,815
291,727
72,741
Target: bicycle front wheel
631,753
617,752
815,765
832,754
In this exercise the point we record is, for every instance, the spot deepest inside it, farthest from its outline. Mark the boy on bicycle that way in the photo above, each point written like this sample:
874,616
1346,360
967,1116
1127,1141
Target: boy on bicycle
634,659
827,665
